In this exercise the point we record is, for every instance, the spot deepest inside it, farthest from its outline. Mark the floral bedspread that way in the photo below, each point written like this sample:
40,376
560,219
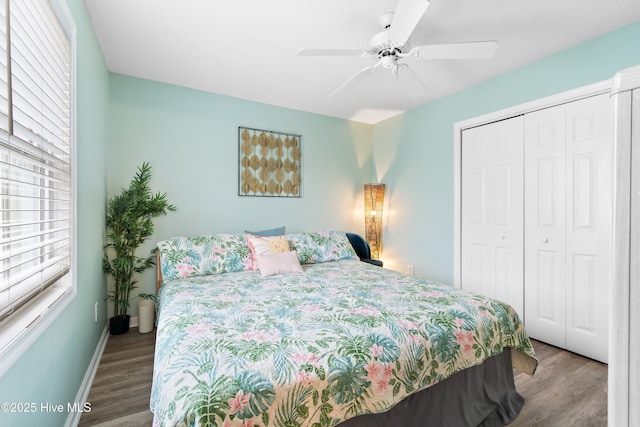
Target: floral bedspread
315,348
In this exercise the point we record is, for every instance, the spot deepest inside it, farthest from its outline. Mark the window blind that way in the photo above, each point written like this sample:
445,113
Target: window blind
35,151
4,77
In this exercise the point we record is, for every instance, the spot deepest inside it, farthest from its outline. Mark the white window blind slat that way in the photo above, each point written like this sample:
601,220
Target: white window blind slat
41,59
35,152
38,156
56,188
35,256
30,242
4,88
55,183
31,284
56,227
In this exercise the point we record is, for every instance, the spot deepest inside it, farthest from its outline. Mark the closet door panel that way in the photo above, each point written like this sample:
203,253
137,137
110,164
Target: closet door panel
492,234
589,148
544,225
547,306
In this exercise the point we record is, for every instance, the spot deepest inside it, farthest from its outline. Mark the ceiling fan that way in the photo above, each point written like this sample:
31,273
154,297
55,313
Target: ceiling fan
391,46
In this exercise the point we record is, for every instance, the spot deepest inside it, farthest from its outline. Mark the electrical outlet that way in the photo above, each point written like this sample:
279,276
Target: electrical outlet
95,312
410,269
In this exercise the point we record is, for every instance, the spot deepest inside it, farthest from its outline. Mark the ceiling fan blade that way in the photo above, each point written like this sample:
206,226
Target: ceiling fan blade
331,52
469,50
355,79
406,18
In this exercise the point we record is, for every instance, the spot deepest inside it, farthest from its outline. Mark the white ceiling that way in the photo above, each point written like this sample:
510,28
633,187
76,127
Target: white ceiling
247,48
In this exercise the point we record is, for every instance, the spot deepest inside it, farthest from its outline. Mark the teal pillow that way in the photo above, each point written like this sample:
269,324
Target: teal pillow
272,232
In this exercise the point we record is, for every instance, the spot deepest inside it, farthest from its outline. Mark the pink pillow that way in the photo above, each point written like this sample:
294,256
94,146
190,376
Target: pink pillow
271,264
263,245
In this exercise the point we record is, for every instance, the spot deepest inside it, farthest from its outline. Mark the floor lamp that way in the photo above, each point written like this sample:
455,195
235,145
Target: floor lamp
373,207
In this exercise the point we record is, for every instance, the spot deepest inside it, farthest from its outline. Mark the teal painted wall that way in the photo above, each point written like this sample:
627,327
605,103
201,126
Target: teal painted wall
190,139
54,366
413,152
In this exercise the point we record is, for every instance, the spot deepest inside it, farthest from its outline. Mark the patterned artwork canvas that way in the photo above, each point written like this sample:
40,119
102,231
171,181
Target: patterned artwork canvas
269,163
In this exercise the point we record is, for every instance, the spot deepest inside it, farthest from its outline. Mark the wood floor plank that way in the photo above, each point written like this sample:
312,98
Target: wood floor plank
121,389
567,389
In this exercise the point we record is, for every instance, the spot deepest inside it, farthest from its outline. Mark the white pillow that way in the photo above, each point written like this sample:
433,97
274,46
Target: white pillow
285,262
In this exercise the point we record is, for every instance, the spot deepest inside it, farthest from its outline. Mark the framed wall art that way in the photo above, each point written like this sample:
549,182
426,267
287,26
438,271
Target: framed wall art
269,163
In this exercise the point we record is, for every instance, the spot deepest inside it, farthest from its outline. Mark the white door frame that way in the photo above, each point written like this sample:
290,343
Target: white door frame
624,351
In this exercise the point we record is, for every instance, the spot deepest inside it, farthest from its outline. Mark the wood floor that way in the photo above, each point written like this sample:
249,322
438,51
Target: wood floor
567,389
121,388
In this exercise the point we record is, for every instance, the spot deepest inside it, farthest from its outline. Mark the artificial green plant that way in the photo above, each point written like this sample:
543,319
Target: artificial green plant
129,223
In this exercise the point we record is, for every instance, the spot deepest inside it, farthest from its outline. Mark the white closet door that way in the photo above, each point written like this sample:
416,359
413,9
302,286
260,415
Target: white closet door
589,209
492,220
544,265
568,202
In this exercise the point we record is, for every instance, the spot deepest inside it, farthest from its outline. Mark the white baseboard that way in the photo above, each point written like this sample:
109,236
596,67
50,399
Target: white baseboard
133,322
83,393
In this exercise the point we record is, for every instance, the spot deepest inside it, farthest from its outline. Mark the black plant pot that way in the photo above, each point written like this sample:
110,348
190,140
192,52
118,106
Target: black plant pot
119,325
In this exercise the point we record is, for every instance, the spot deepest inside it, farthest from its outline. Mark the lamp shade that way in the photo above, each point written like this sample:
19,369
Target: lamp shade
373,209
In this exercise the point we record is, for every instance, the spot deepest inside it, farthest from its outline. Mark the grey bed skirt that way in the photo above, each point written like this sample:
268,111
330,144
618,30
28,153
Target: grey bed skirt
483,395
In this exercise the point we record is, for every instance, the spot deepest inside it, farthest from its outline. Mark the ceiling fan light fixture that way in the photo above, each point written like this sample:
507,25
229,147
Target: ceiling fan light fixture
389,61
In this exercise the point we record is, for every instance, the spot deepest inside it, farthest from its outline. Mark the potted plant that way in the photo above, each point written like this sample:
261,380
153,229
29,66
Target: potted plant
129,223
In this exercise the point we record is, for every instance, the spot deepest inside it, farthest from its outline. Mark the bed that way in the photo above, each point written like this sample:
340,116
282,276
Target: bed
324,340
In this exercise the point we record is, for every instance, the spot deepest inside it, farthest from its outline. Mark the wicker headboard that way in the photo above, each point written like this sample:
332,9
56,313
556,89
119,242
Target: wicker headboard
158,273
